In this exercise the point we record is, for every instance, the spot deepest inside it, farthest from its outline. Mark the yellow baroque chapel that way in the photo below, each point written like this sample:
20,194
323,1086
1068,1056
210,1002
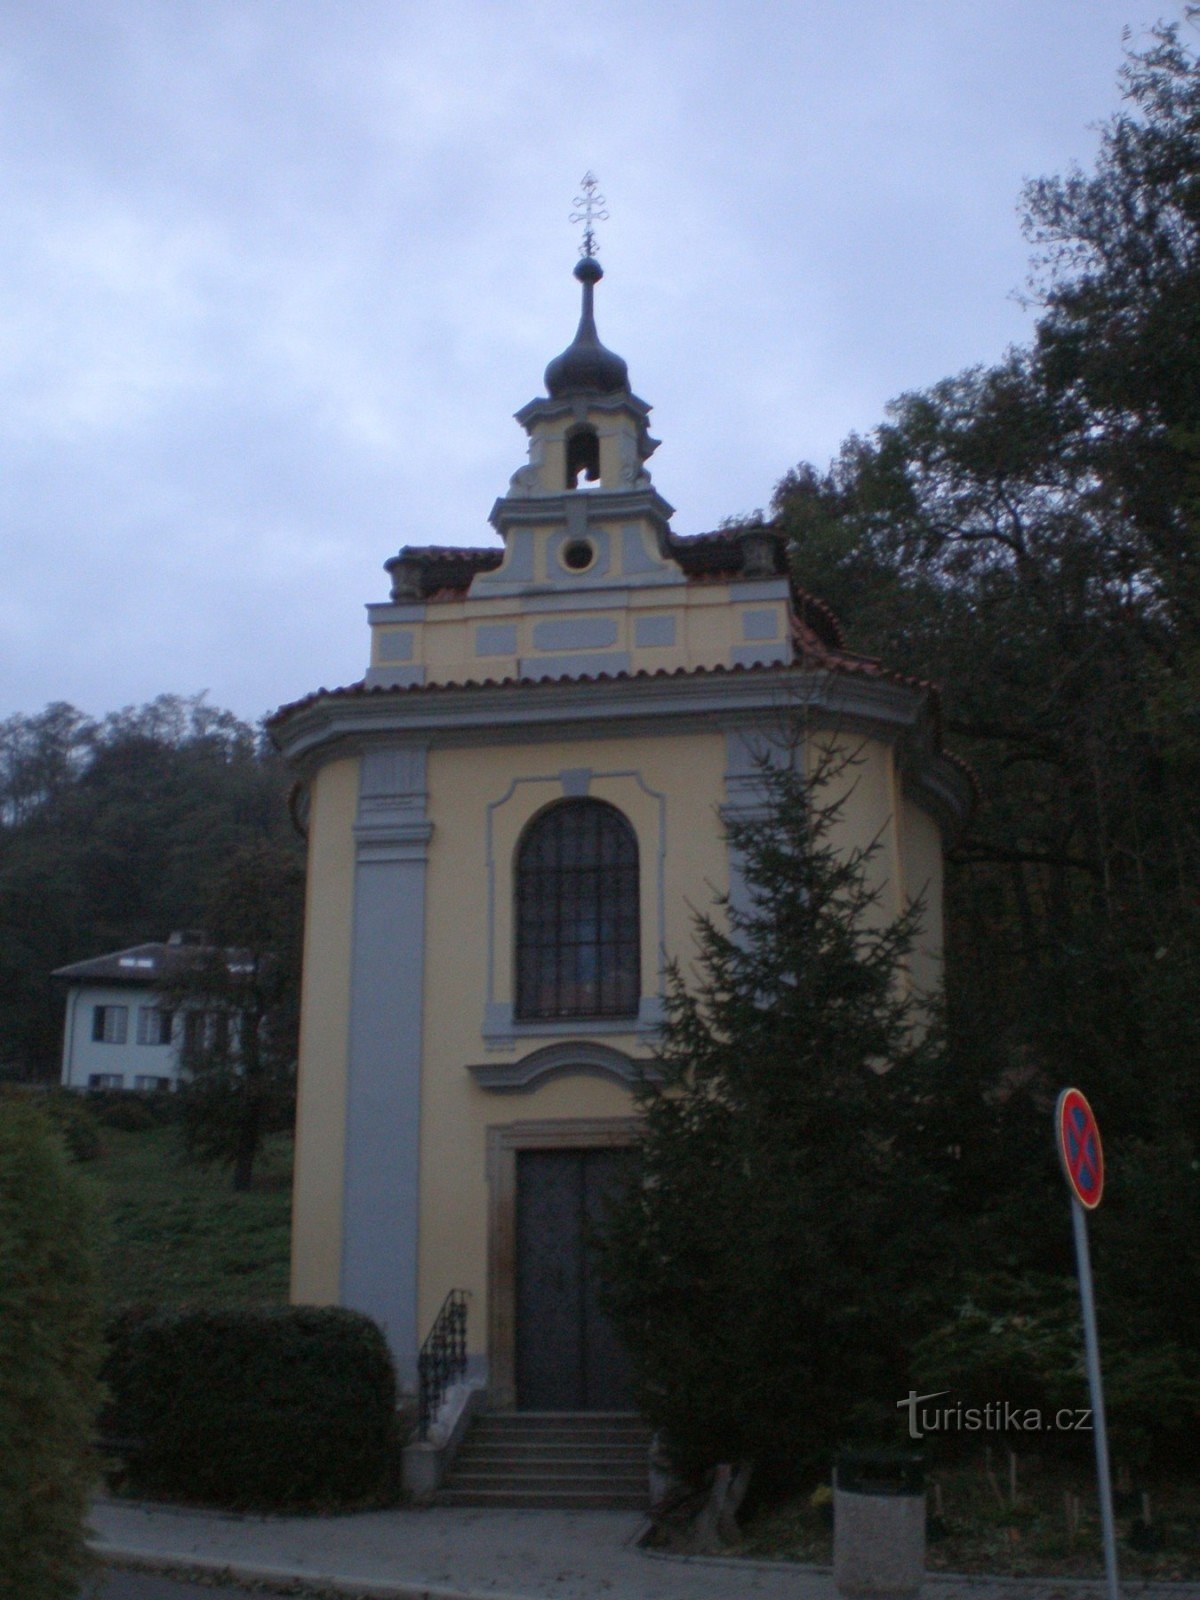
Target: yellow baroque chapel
512,820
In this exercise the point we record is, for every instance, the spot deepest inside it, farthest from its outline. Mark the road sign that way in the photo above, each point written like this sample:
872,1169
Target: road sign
1082,1157
1079,1147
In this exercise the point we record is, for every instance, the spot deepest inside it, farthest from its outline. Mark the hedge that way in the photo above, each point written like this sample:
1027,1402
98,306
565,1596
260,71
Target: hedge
50,1351
254,1409
68,1113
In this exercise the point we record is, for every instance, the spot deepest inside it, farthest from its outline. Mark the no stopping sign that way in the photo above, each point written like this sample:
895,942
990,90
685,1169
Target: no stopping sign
1079,1147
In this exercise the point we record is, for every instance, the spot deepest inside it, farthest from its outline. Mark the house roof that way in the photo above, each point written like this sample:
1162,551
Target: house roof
811,652
143,965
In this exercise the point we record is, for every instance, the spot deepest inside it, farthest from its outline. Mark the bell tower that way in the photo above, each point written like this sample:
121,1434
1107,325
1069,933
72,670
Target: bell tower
591,432
583,508
591,580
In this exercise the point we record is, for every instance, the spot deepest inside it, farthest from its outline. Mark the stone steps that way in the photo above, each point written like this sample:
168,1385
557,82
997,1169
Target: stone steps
544,1458
552,1459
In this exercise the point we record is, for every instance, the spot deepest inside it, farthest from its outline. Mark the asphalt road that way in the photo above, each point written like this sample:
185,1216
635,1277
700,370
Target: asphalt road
113,1585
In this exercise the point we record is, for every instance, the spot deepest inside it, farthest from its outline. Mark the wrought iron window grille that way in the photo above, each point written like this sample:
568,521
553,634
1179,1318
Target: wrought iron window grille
578,933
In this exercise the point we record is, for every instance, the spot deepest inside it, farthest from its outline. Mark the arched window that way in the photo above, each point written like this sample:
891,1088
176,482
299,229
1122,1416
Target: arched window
583,456
577,914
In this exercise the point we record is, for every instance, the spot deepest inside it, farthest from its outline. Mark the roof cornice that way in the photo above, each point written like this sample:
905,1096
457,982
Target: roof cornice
578,405
512,511
346,722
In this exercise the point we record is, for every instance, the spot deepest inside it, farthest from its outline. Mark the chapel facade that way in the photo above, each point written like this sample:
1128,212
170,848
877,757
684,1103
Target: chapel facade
512,821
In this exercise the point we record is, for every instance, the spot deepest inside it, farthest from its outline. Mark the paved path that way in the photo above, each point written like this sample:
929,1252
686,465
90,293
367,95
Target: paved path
460,1554
115,1585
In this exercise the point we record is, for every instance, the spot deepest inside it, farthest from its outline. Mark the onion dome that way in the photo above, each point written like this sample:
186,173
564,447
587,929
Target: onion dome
585,366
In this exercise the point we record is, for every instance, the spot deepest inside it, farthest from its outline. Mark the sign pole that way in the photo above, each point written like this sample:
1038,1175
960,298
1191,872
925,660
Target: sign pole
1091,1344
1082,1157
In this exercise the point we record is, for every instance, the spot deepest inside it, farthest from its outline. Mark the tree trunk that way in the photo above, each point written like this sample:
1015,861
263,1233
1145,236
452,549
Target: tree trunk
249,1139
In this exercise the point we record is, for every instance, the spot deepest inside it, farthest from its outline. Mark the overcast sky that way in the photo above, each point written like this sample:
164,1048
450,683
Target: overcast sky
277,273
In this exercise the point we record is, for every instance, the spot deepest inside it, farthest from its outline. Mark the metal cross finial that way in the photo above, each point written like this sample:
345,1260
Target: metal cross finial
591,210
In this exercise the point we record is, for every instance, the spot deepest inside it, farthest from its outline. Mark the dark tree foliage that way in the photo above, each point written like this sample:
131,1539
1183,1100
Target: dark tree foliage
50,1351
111,833
1119,278
767,1273
241,993
1027,535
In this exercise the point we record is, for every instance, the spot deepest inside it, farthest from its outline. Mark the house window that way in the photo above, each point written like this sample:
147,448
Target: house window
148,1081
154,1025
193,1035
109,1024
219,1034
106,1080
212,1033
577,914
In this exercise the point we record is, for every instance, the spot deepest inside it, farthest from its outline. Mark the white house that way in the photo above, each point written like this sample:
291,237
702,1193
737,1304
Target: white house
117,1033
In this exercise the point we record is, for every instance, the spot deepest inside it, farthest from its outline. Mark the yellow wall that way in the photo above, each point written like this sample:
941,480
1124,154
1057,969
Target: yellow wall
472,797
689,771
324,1034
908,864
862,776
708,627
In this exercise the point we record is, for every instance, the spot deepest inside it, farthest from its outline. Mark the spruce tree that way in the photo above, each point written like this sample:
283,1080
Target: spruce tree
763,1273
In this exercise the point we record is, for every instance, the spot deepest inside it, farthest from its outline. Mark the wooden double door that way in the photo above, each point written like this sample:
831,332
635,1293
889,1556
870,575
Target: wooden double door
567,1356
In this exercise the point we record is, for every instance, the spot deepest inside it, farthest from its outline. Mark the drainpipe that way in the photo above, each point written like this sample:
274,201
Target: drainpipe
72,1007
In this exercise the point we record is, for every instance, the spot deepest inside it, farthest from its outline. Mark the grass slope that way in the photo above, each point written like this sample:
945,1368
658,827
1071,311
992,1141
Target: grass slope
179,1235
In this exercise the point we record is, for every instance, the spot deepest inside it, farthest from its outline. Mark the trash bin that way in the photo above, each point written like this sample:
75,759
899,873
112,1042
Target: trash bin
878,1523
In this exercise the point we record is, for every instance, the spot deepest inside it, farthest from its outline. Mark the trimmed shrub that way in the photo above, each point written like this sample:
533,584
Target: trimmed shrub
133,1112
68,1113
275,1409
50,1351
73,1120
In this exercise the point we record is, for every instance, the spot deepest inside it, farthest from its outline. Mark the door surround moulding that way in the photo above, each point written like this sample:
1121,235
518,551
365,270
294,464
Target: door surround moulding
504,1140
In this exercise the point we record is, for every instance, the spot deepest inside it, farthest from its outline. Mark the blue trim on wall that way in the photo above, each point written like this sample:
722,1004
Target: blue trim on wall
575,633
397,677
634,560
395,645
567,1058
760,625
383,1090
745,797
496,639
575,666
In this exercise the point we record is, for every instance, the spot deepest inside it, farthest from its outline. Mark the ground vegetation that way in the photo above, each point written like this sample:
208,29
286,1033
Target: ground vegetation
50,1350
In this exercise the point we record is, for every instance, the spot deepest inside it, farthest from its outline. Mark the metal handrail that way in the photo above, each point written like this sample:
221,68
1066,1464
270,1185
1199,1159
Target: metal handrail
443,1358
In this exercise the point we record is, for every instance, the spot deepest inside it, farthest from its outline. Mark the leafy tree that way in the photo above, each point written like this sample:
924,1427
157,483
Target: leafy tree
767,1271
1118,274
240,1002
1027,535
50,1351
111,833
